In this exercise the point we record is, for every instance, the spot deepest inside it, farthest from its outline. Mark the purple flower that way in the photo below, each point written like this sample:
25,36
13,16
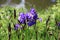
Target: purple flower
35,17
40,19
22,18
30,19
22,15
30,23
16,26
33,12
58,23
29,16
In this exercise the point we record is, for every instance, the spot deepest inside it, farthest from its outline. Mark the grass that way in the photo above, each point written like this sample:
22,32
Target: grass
6,17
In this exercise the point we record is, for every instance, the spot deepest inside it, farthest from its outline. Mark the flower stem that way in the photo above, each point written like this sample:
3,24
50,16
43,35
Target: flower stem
36,31
58,32
17,31
47,21
23,31
9,31
36,36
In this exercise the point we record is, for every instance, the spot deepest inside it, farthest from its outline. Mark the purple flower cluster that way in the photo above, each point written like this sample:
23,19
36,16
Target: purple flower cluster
29,18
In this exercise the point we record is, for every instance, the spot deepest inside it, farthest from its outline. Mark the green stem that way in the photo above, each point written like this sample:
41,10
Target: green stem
9,31
36,31
47,21
23,31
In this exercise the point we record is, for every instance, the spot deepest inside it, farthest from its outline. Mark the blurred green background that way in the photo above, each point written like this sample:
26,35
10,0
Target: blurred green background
44,8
